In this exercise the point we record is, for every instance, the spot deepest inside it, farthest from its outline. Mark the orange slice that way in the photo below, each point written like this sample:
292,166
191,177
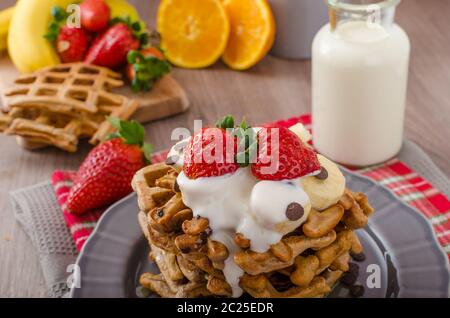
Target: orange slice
252,32
194,33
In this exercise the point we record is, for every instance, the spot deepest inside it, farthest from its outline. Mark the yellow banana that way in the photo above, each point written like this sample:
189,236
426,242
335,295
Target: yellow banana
121,8
28,48
5,19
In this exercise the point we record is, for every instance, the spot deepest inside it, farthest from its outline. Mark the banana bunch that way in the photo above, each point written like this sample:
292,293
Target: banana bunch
27,47
121,8
5,19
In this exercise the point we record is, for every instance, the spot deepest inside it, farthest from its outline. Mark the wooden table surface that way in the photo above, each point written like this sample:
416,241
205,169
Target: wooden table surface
273,89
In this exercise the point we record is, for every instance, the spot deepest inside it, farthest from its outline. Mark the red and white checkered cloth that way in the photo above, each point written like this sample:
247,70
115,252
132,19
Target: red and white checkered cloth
397,176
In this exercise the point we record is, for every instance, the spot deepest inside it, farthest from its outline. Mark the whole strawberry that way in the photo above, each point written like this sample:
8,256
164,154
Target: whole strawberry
110,48
72,44
106,173
210,153
95,15
282,155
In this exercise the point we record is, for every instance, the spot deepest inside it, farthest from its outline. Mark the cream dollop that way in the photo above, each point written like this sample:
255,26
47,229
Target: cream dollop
176,153
239,203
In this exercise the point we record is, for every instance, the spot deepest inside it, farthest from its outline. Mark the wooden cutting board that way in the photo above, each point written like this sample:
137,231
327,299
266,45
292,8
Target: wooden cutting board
166,99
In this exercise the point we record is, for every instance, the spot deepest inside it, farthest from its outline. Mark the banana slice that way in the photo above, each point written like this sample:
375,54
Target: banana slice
301,132
326,188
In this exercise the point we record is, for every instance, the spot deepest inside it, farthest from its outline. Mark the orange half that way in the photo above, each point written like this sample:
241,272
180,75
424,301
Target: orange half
252,32
194,33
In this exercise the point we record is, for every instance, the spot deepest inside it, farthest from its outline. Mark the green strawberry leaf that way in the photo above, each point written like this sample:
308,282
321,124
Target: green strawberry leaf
58,13
147,70
138,28
59,18
148,150
243,124
115,122
113,136
246,138
132,132
226,122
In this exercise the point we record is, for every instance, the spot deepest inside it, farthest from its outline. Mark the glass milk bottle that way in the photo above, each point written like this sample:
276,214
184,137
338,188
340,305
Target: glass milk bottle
359,80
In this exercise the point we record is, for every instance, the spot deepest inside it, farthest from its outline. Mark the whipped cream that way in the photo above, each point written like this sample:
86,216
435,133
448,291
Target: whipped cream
269,202
176,153
222,200
239,203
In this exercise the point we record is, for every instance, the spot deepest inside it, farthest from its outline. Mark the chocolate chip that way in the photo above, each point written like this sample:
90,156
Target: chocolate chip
176,187
170,161
349,278
357,291
203,237
323,174
160,213
353,268
361,257
294,211
185,250
208,231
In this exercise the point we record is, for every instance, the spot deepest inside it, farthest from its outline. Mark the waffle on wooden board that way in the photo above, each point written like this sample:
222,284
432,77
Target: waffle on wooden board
59,105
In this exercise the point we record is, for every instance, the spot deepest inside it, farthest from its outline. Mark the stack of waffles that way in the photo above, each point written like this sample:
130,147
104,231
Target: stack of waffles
59,105
306,263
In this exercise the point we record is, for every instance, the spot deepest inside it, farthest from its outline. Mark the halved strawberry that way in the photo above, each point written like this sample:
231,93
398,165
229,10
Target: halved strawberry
210,153
282,155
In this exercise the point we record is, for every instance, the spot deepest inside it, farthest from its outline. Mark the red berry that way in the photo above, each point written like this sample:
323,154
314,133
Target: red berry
110,49
294,159
72,44
105,176
206,155
95,15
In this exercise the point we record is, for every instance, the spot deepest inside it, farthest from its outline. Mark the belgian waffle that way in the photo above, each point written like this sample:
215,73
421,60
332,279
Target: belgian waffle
305,263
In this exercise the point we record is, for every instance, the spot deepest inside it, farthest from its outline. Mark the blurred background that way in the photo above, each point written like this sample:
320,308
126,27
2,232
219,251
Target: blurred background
280,88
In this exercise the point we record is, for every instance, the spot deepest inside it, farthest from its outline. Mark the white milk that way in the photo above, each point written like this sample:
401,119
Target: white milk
359,82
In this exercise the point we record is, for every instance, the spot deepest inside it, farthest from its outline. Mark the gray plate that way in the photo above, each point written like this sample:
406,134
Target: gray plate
399,241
